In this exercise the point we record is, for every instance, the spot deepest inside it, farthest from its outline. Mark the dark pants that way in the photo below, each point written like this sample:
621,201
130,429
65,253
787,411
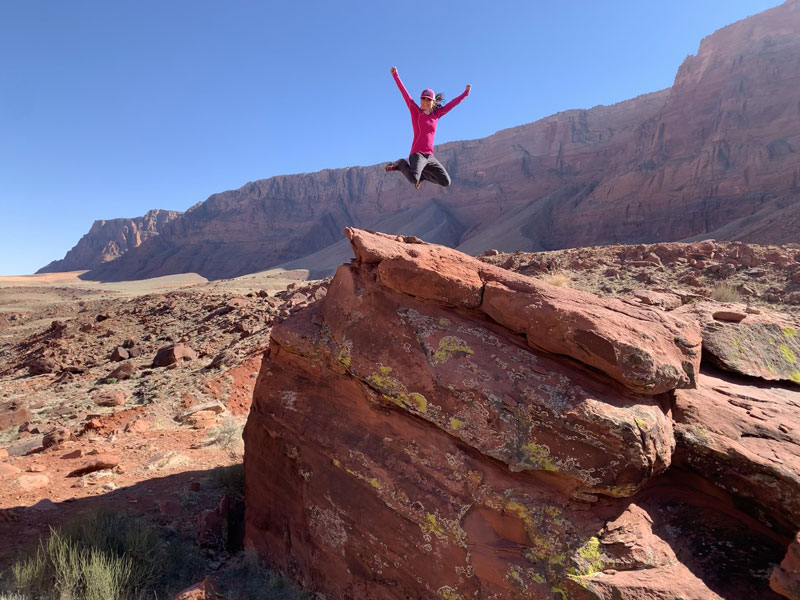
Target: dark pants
423,167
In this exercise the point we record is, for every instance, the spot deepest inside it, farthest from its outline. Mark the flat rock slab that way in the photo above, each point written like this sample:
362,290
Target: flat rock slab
96,463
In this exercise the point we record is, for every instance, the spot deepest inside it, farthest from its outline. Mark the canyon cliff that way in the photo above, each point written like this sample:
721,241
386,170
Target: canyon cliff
714,156
108,240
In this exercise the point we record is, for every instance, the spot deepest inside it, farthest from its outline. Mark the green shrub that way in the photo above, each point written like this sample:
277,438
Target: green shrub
232,477
104,557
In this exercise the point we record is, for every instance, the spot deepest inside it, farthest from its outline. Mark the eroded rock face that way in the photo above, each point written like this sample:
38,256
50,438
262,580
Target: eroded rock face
403,442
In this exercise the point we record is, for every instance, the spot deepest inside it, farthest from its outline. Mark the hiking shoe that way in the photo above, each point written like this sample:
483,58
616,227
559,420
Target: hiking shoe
390,167
416,185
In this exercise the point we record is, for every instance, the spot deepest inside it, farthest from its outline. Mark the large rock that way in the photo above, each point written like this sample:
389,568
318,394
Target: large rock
402,444
645,349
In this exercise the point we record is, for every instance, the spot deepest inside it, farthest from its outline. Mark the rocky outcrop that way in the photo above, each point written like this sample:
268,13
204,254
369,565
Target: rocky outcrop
108,240
410,436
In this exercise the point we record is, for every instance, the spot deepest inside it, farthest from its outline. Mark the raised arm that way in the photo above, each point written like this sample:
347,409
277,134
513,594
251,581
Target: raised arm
409,102
453,103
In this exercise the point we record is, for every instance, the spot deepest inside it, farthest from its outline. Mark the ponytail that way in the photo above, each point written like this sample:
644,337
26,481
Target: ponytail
438,102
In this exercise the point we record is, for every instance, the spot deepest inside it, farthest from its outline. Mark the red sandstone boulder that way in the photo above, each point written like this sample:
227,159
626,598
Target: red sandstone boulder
56,437
646,350
109,398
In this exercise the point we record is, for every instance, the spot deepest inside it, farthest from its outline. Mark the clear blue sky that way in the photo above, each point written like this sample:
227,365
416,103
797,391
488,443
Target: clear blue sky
111,108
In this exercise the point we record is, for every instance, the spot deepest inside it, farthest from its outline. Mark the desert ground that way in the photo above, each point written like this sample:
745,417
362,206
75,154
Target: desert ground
159,442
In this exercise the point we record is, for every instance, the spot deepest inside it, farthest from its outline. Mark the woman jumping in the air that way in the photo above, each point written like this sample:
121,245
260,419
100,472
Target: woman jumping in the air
422,164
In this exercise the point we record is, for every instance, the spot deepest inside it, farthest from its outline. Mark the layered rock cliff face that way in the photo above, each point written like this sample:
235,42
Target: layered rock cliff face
714,156
108,240
439,427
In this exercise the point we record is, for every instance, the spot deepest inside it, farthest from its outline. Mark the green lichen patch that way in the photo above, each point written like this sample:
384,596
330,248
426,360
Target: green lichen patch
537,456
432,526
456,423
394,390
788,354
413,400
448,593
343,356
789,332
450,346
523,579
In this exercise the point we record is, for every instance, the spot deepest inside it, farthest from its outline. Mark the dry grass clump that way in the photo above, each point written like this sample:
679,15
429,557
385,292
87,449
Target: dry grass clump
102,557
557,278
725,292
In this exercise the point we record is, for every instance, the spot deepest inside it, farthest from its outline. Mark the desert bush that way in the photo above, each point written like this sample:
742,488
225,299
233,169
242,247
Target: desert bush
232,477
725,292
254,580
104,556
557,278
228,434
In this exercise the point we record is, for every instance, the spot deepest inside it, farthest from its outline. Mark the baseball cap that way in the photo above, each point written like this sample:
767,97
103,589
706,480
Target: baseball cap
427,94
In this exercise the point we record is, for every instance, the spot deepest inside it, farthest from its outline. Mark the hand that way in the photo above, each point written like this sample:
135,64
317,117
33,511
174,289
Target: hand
393,70
469,87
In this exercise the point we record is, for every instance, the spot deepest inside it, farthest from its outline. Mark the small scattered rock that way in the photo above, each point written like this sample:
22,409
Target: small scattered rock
125,371
732,316
98,463
173,354
119,353
207,589
7,470
56,437
28,483
109,398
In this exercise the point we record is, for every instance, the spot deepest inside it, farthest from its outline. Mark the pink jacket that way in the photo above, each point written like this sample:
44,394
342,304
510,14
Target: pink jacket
425,125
